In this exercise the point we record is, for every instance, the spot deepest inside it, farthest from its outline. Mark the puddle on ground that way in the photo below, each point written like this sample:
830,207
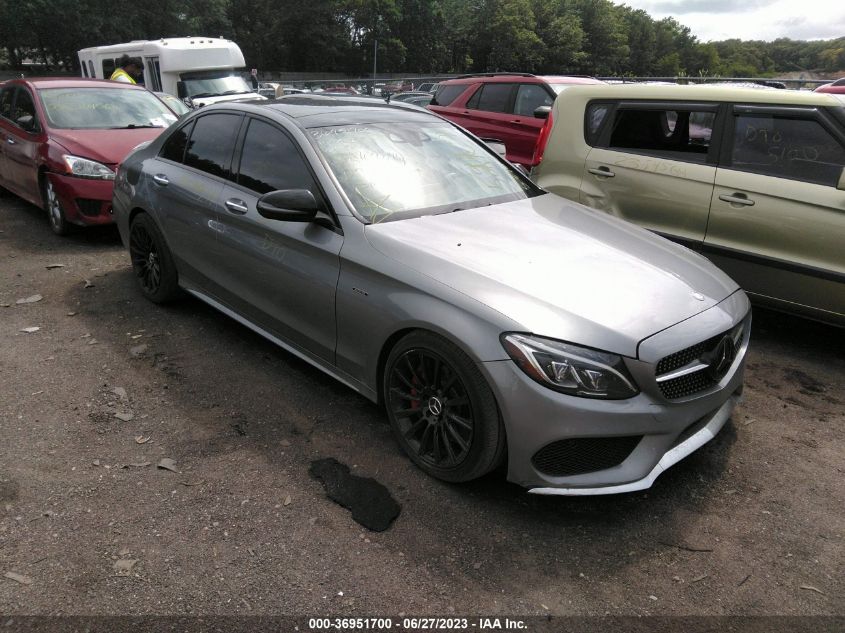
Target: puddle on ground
371,503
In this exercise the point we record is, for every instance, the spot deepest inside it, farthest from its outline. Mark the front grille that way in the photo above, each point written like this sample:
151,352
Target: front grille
579,455
89,207
700,380
686,356
686,385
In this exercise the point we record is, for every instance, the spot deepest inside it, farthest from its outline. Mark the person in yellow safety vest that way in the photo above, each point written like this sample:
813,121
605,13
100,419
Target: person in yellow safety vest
128,68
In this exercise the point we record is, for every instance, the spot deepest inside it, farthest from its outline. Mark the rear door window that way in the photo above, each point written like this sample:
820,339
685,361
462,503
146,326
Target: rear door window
594,117
495,97
212,143
787,147
529,97
447,94
676,134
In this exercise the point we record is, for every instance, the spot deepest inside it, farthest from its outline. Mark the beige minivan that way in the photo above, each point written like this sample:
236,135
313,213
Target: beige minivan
752,178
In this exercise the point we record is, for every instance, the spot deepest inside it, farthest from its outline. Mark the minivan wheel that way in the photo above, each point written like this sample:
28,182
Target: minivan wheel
442,411
53,207
152,261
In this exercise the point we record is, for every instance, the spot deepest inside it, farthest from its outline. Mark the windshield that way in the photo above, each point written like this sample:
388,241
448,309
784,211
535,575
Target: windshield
103,108
392,171
177,105
214,83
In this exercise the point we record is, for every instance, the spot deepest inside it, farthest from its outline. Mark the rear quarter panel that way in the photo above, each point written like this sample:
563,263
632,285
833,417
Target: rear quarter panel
562,167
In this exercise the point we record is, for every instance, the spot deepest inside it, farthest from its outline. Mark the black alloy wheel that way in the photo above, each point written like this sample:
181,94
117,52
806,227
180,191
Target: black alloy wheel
432,408
145,259
442,411
151,260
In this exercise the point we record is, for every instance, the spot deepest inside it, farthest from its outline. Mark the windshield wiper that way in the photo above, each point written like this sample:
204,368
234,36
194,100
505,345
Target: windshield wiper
237,92
205,94
133,126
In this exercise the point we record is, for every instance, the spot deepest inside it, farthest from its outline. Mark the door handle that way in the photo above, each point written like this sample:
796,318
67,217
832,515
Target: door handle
737,198
11,141
601,171
238,207
161,179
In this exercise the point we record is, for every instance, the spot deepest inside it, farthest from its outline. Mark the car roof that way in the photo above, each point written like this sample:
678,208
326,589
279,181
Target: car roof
74,82
703,92
308,111
521,78
570,79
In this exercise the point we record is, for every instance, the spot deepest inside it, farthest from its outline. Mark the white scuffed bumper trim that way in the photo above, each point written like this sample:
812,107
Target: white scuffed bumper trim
670,458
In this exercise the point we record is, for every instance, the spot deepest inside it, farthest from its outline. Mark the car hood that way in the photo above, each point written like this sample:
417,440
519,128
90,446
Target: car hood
247,96
559,269
104,146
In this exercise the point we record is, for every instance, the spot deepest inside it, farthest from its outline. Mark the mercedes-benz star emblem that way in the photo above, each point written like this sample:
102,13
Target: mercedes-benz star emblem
435,407
722,358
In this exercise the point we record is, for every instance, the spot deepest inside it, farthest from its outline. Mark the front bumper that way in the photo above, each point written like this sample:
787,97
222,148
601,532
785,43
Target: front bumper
85,201
707,432
536,417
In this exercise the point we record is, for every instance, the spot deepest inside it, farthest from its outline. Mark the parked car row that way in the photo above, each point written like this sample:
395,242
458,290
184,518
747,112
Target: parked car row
494,317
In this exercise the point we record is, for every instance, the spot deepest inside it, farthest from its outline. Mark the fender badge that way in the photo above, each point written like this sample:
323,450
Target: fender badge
698,296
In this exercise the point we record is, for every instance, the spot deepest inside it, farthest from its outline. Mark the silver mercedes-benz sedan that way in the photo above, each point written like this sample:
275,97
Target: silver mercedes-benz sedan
397,253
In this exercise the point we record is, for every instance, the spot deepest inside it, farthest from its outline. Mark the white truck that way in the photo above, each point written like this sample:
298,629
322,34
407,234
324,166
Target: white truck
203,70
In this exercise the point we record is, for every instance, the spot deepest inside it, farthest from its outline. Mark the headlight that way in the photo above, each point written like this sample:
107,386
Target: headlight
84,168
570,369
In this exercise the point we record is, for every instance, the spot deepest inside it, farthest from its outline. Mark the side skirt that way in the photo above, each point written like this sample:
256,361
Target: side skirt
342,377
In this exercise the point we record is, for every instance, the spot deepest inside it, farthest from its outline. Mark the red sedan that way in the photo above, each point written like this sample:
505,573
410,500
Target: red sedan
61,141
837,87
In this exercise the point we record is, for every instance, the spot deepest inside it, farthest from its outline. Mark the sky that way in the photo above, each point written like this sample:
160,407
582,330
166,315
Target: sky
752,19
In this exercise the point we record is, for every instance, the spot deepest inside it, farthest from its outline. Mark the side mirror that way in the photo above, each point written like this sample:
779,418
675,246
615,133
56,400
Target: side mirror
27,122
841,184
181,90
542,112
288,205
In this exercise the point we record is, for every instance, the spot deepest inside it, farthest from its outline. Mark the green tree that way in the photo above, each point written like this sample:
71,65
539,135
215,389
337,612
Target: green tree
605,42
515,44
641,40
562,36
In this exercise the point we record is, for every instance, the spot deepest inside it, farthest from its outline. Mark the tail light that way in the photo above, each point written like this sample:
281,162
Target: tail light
542,141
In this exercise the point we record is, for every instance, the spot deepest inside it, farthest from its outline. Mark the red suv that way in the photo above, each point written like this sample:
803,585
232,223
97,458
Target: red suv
506,107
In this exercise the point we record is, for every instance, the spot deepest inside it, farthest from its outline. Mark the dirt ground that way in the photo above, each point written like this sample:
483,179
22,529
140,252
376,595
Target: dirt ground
750,524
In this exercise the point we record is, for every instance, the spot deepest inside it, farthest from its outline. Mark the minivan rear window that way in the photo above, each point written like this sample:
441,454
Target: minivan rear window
447,94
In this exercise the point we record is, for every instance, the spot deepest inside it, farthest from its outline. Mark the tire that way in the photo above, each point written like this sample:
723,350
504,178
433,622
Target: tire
441,409
152,261
55,213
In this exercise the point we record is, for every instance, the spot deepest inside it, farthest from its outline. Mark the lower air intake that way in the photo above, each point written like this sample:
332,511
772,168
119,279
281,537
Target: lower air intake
576,456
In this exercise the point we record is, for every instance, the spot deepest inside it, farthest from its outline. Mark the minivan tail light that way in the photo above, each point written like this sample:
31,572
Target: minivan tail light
542,141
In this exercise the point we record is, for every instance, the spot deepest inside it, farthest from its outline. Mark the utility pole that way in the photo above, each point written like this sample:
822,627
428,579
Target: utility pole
375,60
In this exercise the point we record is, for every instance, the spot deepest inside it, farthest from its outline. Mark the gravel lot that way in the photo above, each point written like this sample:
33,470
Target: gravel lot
750,524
